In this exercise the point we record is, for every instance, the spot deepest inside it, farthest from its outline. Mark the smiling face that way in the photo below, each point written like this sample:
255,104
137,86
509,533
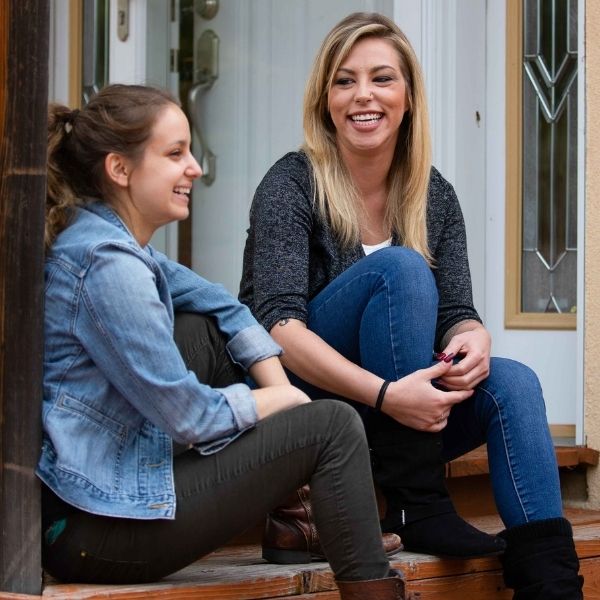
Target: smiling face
368,99
159,184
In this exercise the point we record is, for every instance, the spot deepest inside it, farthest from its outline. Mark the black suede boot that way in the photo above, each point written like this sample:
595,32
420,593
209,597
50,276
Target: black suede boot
409,469
540,561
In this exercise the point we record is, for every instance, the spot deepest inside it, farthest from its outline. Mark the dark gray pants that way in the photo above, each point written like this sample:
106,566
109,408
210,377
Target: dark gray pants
221,495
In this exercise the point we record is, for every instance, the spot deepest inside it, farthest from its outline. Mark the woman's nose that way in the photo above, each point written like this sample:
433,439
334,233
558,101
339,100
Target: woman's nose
363,93
194,170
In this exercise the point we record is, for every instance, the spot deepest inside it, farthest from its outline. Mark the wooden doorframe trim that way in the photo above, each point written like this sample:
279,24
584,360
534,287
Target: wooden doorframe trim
514,317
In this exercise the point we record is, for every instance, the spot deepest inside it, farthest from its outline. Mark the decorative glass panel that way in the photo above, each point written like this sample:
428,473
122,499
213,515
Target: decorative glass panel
549,261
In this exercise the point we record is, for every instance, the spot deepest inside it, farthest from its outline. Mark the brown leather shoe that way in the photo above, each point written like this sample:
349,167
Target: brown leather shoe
290,535
390,588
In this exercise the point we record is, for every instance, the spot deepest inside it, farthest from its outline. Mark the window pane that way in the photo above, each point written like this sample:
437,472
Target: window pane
549,156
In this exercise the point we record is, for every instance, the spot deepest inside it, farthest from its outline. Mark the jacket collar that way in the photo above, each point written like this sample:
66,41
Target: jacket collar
106,212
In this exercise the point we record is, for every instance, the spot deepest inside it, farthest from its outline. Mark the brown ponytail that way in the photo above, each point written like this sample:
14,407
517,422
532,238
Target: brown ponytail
118,119
60,197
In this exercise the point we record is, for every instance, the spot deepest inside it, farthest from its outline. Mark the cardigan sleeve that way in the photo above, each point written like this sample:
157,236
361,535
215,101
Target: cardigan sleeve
448,244
275,280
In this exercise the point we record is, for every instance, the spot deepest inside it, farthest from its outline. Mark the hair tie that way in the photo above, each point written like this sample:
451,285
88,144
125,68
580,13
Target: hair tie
69,119
380,396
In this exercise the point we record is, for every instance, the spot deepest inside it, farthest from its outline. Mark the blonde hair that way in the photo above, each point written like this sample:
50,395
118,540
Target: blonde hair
118,119
336,195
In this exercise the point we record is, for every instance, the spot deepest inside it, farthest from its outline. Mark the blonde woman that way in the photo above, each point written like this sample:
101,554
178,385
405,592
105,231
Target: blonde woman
356,263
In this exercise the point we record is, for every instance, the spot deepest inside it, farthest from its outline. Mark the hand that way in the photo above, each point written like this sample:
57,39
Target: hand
415,402
474,346
275,398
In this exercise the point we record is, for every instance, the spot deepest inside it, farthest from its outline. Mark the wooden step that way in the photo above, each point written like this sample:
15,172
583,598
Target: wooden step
239,573
476,463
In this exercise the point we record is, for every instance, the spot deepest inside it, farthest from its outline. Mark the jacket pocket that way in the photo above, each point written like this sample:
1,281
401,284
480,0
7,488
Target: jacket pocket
89,445
67,402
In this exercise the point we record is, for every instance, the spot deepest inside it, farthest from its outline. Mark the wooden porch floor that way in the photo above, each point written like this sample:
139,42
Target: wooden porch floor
237,572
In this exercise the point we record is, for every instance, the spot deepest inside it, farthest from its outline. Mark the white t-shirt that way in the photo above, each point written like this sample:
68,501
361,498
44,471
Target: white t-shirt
370,249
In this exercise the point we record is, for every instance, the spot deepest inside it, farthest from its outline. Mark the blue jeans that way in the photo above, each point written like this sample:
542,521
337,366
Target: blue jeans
381,314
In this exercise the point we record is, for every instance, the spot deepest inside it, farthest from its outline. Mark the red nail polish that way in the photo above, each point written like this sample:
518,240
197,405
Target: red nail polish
439,356
449,358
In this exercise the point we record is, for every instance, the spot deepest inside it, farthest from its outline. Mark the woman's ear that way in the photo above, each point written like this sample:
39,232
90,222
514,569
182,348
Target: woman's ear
117,169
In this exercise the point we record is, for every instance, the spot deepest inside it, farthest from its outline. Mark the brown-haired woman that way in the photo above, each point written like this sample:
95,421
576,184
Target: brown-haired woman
356,263
154,450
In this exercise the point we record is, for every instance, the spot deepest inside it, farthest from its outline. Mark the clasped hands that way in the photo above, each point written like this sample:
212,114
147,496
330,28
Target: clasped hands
416,402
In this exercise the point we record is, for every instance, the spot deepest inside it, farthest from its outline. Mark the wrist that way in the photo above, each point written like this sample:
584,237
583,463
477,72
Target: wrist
381,395
458,328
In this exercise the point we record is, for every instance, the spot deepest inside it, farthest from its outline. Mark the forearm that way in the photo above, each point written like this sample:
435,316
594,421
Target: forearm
458,328
316,362
268,372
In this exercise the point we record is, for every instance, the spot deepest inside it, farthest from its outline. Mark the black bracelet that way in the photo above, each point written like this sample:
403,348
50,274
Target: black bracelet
381,394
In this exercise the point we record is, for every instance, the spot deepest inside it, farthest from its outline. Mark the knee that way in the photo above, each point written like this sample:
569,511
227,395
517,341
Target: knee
193,331
398,257
338,417
404,268
513,373
514,384
194,325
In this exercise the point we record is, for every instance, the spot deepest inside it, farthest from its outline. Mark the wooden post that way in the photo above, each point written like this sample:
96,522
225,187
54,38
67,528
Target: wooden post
24,29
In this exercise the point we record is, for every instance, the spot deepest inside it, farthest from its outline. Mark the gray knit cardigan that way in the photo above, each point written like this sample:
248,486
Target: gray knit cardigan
291,254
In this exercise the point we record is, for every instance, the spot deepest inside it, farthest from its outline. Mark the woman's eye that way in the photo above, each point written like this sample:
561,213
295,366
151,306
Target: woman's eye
175,153
383,79
343,81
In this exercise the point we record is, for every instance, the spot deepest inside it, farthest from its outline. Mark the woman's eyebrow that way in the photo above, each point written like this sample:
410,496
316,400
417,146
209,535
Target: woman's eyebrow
175,143
371,70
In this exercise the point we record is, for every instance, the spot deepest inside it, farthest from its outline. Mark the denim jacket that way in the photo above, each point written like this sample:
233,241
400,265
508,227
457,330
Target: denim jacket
116,390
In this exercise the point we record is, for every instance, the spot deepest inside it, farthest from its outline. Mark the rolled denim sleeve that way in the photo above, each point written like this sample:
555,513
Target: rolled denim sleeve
126,326
251,345
242,404
248,342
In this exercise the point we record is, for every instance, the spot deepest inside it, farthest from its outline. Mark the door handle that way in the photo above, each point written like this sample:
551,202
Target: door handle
207,158
206,73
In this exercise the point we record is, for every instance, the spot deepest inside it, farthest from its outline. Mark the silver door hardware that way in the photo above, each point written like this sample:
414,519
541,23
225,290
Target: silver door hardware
123,19
207,9
207,58
205,74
